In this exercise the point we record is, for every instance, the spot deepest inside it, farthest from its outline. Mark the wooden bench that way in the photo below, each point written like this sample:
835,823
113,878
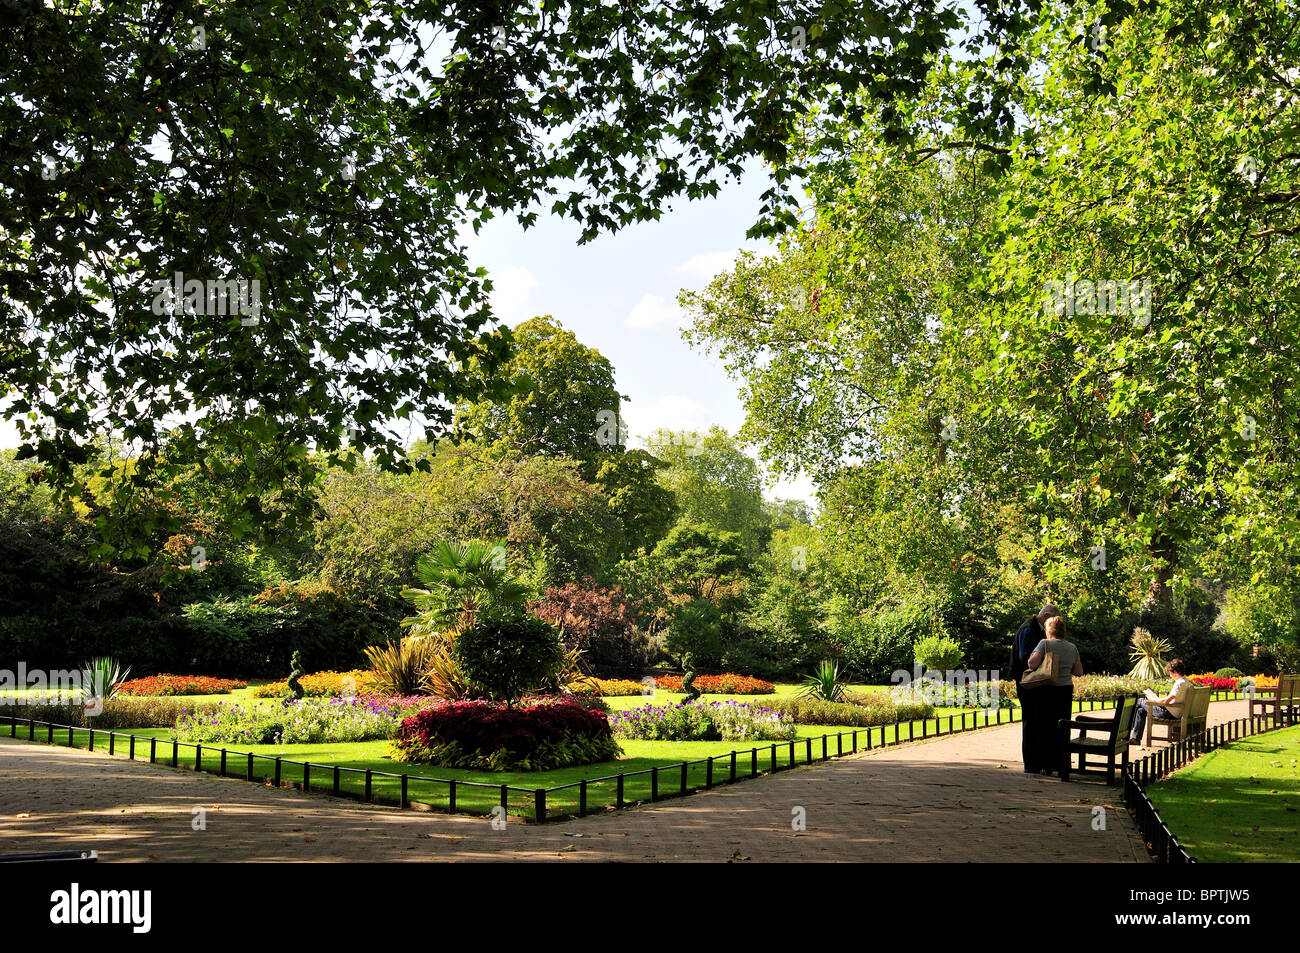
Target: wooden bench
1284,697
1196,709
1114,745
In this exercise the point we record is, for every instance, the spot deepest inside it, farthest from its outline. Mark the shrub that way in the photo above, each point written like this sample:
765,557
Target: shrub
121,713
864,711
487,736
704,721
356,682
938,652
726,684
600,622
510,656
1229,672
180,685
946,694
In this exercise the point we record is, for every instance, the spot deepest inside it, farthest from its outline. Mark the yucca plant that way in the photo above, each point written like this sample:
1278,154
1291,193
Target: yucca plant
824,682
1148,655
399,669
101,676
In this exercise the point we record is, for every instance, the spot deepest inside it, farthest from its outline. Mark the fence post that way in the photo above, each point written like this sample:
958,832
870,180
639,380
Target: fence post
582,793
451,793
753,761
277,772
111,736
198,757
404,799
336,780
808,750
708,777
683,785
223,762
733,767
773,759
619,796
176,753
131,748
654,783
248,775
539,805
306,777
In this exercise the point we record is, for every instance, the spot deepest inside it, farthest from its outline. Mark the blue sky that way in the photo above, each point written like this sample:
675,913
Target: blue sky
618,294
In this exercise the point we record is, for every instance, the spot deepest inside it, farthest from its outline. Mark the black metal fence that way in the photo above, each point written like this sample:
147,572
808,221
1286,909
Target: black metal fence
578,798
1139,775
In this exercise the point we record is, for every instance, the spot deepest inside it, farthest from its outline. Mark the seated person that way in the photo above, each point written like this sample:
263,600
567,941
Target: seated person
1168,707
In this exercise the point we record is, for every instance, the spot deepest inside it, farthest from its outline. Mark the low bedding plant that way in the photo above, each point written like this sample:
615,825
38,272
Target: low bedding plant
172,685
704,721
495,737
944,694
725,684
304,721
318,684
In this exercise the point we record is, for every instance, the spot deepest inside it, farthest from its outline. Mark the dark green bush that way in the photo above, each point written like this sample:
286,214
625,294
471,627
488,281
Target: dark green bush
511,656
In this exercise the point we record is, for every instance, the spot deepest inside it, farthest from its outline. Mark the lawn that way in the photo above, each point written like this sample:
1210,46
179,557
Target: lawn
1238,803
471,797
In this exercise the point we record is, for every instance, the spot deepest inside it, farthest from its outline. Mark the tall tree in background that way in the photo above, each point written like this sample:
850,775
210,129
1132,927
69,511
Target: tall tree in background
333,153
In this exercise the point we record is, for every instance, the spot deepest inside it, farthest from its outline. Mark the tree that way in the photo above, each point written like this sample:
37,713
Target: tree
331,155
935,354
714,482
642,507
562,402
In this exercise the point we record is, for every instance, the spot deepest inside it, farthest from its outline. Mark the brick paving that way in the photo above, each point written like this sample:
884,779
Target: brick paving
957,798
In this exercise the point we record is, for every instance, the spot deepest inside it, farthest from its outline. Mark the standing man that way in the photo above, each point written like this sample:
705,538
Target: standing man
1027,638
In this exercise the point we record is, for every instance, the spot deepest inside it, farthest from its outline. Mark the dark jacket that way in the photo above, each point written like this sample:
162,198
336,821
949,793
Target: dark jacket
1028,636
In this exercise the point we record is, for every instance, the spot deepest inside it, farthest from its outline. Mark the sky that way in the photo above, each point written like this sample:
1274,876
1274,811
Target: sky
618,294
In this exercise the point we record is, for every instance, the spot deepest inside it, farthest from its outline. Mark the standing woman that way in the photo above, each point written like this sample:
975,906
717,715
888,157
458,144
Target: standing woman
1054,702
1030,634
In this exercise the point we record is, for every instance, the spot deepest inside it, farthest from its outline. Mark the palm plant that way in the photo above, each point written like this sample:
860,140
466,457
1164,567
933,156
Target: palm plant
1148,655
824,682
459,580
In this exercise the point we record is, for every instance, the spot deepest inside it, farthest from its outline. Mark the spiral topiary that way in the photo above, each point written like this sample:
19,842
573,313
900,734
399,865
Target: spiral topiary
296,672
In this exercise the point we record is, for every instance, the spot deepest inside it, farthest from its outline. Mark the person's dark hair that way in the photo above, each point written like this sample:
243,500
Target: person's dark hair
1055,627
1175,666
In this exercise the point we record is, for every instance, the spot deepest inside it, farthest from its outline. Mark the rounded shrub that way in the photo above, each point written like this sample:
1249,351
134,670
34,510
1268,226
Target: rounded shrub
507,657
939,653
1229,672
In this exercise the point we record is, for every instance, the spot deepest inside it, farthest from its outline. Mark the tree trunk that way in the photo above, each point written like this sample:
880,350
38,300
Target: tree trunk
1164,551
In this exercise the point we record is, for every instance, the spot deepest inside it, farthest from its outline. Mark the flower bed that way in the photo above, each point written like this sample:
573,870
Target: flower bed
318,684
1232,683
486,735
608,686
179,685
305,721
704,721
728,684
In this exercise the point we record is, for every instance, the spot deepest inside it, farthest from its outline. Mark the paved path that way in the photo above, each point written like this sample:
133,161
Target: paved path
957,798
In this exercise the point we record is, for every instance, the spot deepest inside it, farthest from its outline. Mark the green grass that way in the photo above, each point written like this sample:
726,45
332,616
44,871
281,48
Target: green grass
1238,803
638,756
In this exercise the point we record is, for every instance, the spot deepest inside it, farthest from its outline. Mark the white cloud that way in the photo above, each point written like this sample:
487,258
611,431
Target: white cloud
654,311
704,267
510,291
672,412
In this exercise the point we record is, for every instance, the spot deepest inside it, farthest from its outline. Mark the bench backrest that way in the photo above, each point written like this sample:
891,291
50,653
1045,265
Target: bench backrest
1123,727
1288,689
1197,707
